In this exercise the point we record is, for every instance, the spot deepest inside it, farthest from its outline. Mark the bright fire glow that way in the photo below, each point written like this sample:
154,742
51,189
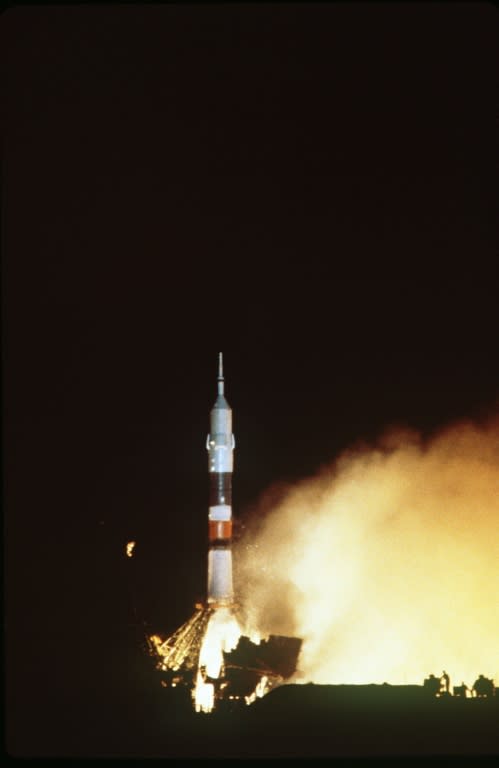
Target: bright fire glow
386,563
204,695
129,548
222,634
157,641
261,689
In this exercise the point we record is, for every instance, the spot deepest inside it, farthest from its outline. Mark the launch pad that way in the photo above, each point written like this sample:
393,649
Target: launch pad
247,671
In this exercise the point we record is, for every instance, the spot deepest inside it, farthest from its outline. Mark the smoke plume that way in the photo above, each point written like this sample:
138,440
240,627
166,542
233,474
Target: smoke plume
386,563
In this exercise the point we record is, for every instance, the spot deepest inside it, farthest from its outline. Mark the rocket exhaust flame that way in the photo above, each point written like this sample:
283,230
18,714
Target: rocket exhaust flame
204,694
386,563
222,635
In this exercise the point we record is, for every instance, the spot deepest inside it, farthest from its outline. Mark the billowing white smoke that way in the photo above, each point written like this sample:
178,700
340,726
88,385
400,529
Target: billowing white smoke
386,563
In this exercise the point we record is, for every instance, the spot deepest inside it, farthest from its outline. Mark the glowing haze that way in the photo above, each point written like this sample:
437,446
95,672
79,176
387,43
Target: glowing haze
385,563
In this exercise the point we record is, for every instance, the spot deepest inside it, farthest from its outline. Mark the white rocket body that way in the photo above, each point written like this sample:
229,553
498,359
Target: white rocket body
220,444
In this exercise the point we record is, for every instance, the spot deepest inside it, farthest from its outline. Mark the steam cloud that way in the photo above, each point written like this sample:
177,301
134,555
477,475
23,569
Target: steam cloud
386,563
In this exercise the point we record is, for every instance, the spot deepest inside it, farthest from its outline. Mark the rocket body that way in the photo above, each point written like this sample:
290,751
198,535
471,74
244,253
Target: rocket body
220,445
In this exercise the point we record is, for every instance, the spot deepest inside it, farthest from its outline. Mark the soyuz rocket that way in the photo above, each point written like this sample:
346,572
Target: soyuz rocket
220,444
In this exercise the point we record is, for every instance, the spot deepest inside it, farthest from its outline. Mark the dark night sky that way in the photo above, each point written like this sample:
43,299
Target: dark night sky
179,180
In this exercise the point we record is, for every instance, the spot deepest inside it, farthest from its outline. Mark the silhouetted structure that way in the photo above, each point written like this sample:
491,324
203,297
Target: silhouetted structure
483,687
445,682
431,685
461,691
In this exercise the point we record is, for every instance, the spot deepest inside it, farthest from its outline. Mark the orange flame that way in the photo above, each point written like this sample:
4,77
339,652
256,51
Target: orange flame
387,563
129,548
222,634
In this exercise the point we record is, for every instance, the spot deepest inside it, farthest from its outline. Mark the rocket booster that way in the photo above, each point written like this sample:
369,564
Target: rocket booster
220,445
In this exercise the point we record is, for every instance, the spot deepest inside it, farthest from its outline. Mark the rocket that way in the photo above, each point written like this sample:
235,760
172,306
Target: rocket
220,444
